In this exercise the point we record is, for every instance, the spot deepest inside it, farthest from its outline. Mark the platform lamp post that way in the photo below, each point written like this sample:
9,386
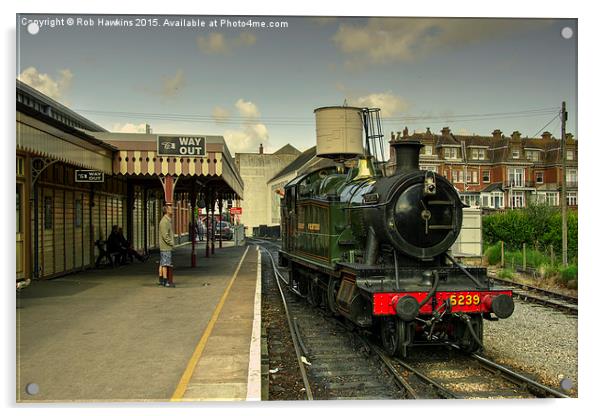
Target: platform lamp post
207,237
212,223
220,206
193,225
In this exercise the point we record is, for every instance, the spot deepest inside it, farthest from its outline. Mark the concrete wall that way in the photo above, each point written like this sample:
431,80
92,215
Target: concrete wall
256,170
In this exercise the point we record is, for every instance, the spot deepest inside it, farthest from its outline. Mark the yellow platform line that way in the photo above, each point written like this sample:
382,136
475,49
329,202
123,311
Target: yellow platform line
198,351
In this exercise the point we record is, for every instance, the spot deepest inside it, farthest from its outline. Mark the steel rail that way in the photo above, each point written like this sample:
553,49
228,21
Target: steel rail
550,293
516,377
511,375
442,391
553,297
278,277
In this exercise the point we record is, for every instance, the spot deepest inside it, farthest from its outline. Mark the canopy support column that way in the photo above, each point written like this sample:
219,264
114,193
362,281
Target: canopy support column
192,225
220,205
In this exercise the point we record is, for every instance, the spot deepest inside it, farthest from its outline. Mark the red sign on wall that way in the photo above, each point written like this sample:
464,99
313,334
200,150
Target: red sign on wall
236,211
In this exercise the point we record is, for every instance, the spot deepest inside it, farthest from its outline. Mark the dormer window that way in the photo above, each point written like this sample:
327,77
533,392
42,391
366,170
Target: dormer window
515,153
532,155
478,154
570,155
450,153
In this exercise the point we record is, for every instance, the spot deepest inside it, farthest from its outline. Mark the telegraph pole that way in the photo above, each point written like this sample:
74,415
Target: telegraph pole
563,118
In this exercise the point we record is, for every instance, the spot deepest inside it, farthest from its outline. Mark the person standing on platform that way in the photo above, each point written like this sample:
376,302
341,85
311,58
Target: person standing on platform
166,244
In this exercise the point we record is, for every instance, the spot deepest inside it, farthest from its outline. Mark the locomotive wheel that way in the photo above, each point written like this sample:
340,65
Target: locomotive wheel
395,336
314,295
331,295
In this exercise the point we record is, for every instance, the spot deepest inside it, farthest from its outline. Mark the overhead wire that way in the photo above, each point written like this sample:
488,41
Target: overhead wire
308,121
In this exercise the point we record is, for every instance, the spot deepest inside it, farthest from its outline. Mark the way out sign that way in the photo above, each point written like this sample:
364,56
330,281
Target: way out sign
181,146
89,176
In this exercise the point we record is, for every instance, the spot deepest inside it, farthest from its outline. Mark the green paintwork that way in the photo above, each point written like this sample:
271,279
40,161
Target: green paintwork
318,226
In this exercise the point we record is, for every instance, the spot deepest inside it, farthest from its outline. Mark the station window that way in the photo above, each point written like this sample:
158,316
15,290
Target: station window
20,166
19,198
47,213
79,213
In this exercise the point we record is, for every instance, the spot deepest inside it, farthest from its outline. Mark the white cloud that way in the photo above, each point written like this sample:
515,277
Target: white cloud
248,139
129,128
387,40
217,43
250,134
220,114
46,84
172,86
247,108
389,103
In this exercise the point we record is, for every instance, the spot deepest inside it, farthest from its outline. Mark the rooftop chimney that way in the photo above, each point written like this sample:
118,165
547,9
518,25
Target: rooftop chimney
428,131
405,132
445,131
569,136
516,135
261,148
546,135
497,134
147,128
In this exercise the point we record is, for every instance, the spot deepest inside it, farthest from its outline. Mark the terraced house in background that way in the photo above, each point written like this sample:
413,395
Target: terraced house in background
499,172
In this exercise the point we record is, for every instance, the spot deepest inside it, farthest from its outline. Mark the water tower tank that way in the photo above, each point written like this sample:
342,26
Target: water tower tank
339,132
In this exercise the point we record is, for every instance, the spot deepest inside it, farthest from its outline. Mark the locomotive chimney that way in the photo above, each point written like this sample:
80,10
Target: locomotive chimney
407,155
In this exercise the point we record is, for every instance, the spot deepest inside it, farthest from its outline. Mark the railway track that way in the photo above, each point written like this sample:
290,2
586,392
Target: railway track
447,373
533,294
341,363
333,364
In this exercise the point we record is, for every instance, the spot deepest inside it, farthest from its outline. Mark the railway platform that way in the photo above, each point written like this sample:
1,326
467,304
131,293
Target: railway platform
115,335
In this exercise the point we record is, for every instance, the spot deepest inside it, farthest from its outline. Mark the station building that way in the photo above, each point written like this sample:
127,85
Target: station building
61,222
256,169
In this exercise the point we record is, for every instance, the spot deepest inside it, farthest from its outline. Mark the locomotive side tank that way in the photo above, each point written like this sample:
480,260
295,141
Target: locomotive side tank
374,249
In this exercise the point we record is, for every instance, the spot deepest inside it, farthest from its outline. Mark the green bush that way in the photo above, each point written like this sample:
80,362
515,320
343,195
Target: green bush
547,270
505,274
568,273
537,225
494,253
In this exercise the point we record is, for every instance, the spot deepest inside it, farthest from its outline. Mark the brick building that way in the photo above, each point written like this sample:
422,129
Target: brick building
496,171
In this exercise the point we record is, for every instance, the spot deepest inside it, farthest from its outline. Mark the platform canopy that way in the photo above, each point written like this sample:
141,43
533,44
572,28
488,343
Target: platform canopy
137,156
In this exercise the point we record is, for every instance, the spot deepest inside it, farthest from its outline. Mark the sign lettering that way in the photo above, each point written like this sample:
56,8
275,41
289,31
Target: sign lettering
89,176
181,146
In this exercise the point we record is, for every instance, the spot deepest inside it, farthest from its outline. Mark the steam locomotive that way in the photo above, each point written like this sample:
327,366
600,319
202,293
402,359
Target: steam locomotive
374,247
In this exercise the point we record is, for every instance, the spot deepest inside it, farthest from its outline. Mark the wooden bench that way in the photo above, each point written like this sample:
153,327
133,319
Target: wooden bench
110,258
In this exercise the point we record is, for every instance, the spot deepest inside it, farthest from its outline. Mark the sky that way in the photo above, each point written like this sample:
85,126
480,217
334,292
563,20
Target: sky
260,85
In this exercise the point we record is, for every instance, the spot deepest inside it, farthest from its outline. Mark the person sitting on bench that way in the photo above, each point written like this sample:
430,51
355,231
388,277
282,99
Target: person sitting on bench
129,249
114,245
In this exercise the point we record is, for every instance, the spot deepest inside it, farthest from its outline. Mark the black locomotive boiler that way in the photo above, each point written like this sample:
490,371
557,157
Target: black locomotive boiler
376,249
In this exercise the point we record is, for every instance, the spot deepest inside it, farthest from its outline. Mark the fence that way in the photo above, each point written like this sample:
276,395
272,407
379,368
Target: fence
530,259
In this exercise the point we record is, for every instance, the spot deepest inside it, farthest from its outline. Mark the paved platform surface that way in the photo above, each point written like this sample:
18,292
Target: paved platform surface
115,335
